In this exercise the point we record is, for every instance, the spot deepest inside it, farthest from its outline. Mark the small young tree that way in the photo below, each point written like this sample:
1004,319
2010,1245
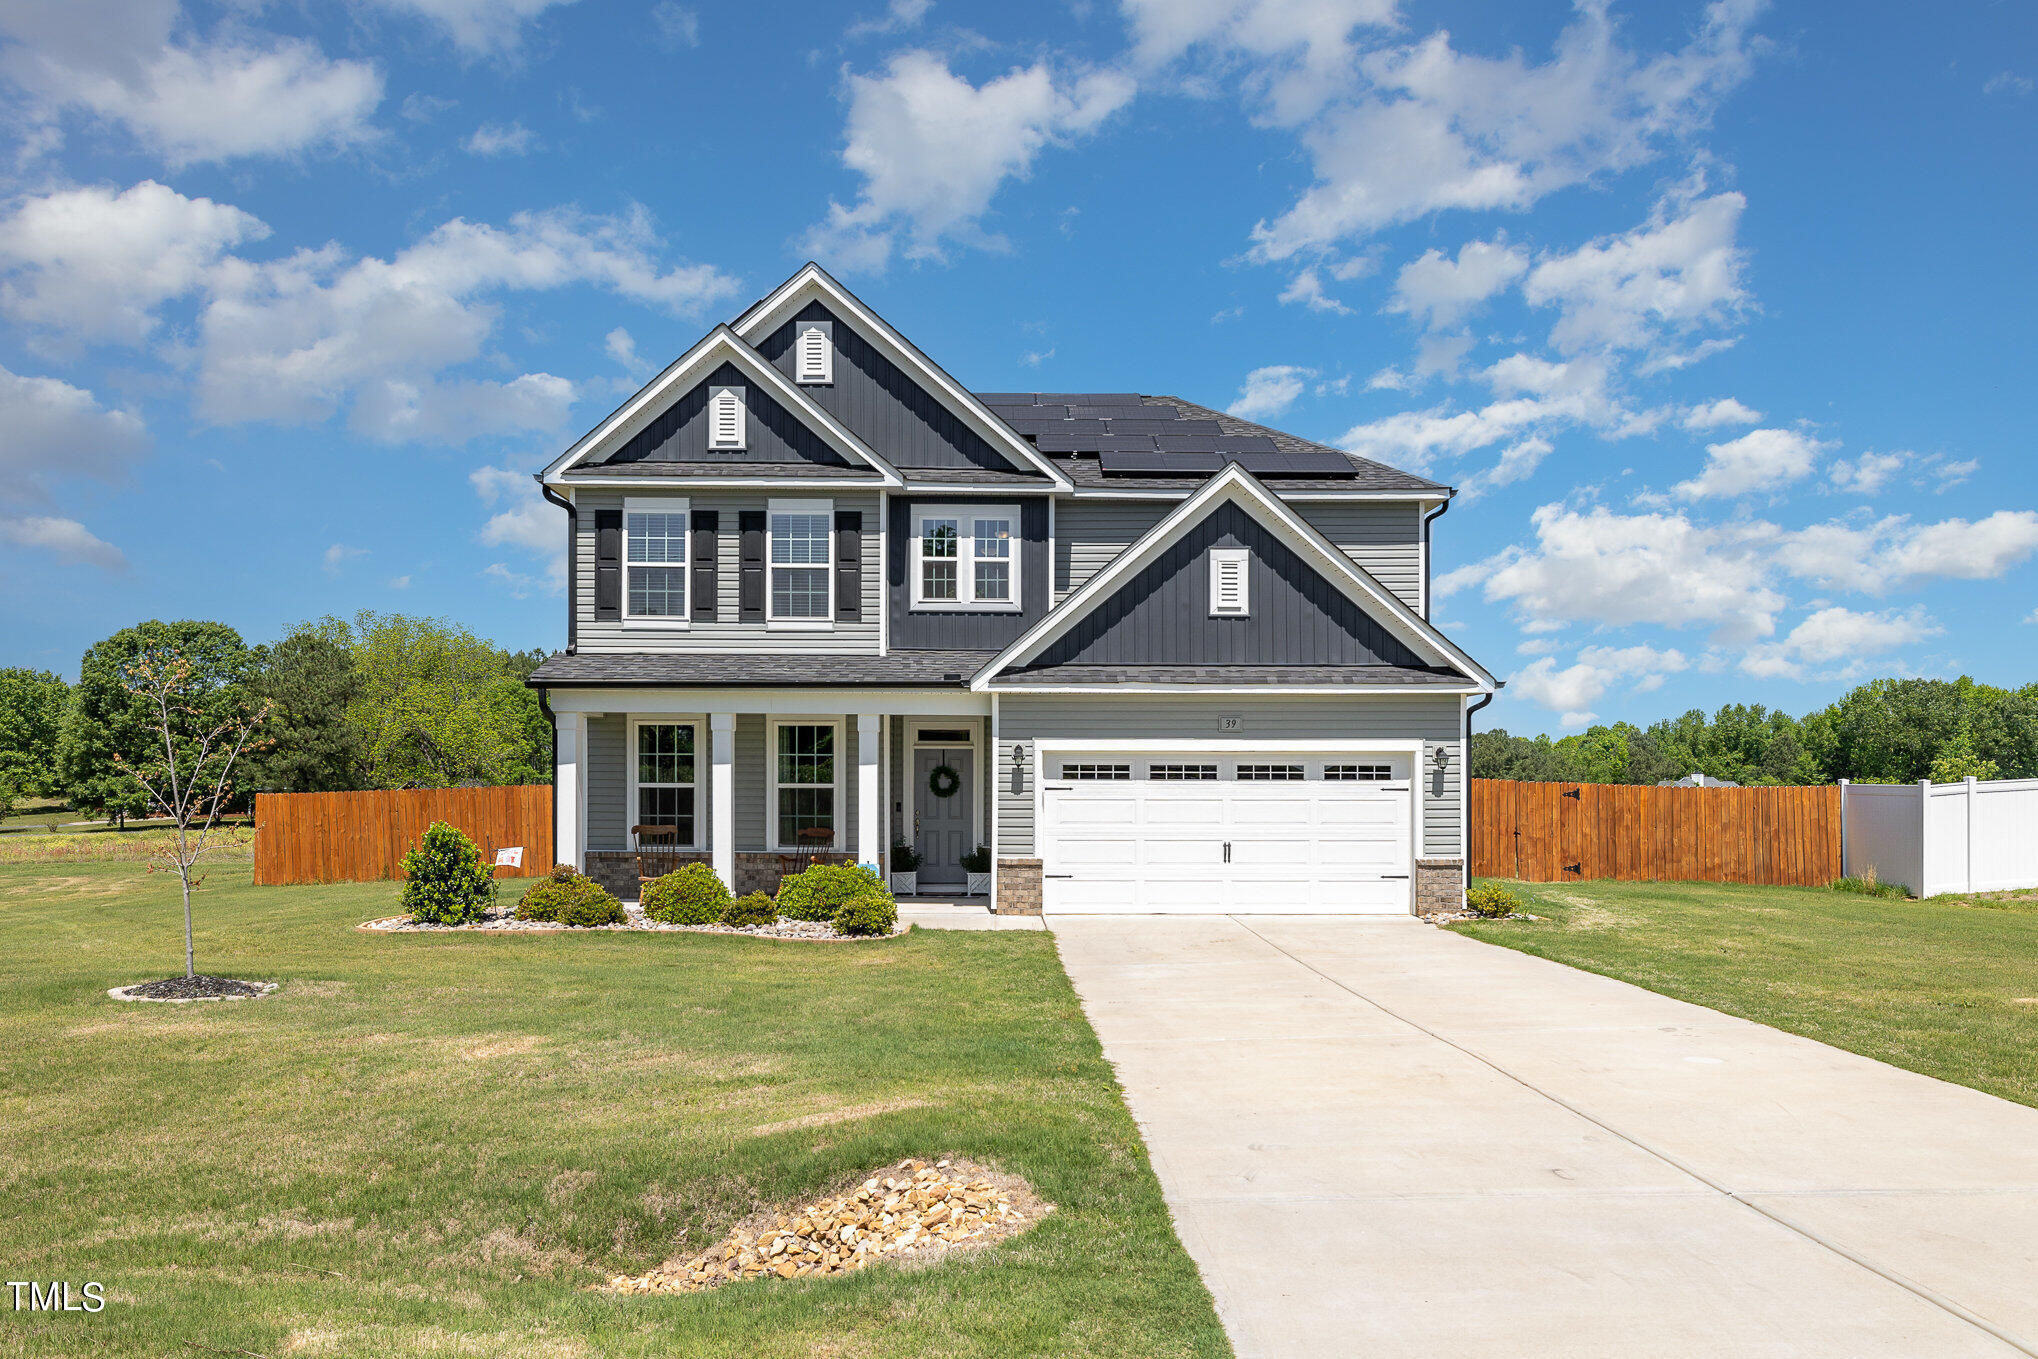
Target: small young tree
200,729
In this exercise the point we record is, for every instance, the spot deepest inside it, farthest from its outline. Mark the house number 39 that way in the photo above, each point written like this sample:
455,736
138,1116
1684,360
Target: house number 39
1231,724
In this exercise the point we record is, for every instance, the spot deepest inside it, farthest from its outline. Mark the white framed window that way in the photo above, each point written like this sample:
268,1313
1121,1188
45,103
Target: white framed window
966,557
1096,771
728,420
806,792
814,352
1230,569
665,779
799,562
654,561
1358,773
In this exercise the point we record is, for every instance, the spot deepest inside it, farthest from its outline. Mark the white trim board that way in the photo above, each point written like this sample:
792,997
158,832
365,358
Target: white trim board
812,281
1237,486
719,345
978,782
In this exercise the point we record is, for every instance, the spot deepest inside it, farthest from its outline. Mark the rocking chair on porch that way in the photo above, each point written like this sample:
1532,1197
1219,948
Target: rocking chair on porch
657,850
812,847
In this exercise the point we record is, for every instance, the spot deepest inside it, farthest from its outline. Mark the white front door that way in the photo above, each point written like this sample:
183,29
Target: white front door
1242,833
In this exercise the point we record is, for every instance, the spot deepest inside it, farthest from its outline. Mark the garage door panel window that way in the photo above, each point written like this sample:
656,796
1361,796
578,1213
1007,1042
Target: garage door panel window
1182,773
1270,773
1358,773
1094,772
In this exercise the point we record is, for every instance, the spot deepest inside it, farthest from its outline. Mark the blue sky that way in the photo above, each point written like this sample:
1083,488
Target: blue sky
1718,314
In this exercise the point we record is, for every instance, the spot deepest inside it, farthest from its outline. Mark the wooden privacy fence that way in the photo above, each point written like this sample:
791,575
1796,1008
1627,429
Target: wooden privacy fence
1558,832
362,837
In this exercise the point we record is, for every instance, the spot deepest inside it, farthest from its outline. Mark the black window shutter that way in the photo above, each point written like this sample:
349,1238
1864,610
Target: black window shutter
608,565
704,548
750,579
848,565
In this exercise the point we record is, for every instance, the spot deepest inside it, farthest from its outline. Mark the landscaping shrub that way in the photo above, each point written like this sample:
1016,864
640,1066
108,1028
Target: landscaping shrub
1867,886
689,895
567,898
868,913
977,860
754,909
1491,900
445,880
821,891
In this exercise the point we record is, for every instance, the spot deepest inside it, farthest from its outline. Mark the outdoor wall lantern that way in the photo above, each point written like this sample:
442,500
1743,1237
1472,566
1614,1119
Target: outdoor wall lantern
1440,759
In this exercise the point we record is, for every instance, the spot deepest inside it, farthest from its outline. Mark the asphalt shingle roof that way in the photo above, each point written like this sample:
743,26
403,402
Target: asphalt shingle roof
1227,674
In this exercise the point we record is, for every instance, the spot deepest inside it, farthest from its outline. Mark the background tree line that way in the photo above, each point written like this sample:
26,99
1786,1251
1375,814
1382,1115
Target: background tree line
1885,731
384,701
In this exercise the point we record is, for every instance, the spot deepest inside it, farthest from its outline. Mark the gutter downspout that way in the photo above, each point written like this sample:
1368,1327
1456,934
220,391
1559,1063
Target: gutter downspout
1439,512
573,573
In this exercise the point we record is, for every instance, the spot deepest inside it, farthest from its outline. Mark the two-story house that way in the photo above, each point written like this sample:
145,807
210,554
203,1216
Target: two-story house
1155,658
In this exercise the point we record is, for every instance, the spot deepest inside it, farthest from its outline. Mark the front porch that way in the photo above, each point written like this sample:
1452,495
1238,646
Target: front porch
759,783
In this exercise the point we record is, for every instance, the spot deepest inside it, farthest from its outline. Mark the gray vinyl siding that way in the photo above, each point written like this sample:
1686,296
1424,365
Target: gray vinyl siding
726,633
907,425
772,434
1384,537
944,629
608,783
1432,718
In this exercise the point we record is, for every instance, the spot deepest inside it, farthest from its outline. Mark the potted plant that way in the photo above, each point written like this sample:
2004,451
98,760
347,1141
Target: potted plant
977,863
905,871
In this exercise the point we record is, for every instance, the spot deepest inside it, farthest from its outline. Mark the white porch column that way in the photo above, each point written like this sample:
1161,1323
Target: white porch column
569,791
869,747
722,796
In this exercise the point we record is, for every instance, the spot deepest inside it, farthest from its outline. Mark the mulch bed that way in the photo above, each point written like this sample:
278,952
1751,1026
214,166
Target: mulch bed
201,987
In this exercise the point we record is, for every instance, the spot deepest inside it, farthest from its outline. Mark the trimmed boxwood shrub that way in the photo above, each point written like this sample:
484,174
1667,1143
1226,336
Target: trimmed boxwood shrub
567,898
867,914
445,881
820,891
689,895
977,860
1491,900
754,909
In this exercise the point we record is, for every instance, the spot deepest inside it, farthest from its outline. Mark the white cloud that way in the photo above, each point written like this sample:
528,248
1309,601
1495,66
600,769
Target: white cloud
186,99
675,26
500,139
2008,83
1680,270
65,540
297,339
54,429
622,347
898,15
1269,391
1033,358
1290,58
478,27
1517,463
1537,397
95,264
1874,557
1423,127
1866,474
1760,460
1439,291
399,582
1307,289
339,554
523,519
1836,634
1718,414
1572,690
934,150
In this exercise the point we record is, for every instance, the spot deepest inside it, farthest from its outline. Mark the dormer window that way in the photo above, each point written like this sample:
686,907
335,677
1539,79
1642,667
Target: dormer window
814,345
726,419
1229,583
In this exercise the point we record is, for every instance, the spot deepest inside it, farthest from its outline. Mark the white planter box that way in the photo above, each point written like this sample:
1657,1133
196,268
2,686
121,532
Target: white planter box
979,884
906,884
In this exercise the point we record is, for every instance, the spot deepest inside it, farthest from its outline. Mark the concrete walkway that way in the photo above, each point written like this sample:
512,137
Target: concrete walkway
1383,1139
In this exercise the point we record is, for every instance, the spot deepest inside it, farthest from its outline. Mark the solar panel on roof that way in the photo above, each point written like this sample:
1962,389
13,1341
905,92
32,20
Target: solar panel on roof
1207,430
1094,412
1092,398
1008,398
1092,443
1298,463
1135,462
1221,442
1044,423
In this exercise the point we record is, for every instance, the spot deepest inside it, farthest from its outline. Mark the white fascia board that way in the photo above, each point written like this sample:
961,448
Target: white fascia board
813,281
719,344
1258,690
1237,484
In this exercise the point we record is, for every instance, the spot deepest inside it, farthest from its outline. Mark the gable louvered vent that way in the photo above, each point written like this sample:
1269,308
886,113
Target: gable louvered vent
725,418
1228,583
816,346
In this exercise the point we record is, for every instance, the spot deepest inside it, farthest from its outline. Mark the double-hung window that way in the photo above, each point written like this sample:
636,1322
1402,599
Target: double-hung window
667,782
803,770
654,560
966,557
799,561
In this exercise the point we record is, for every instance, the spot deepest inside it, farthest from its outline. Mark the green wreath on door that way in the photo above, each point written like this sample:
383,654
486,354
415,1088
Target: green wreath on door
943,781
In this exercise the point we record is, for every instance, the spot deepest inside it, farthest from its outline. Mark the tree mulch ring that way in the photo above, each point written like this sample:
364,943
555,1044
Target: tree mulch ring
177,990
912,1213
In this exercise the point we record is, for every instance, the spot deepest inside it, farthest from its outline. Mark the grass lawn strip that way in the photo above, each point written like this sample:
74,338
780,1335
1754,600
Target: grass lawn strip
1944,987
431,1144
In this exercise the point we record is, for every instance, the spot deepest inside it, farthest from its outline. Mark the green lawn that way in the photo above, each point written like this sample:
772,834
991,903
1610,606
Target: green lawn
434,1144
1945,987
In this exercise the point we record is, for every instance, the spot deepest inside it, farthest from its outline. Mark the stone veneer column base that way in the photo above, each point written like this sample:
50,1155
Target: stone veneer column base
1019,887
1439,886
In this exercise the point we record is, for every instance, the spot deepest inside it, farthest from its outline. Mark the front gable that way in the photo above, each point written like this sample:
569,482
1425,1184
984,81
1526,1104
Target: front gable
680,432
1162,614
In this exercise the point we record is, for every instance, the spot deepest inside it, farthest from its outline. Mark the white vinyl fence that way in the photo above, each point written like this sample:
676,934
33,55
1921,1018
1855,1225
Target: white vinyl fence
1971,836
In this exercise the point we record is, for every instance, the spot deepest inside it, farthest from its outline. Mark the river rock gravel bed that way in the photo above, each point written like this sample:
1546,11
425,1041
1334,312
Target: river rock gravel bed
502,919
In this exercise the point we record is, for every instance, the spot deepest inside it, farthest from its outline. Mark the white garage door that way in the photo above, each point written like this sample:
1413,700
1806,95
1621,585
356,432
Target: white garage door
1273,834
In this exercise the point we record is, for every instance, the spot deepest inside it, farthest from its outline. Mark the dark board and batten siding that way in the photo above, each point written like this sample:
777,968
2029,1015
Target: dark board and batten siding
942,629
886,408
1161,615
773,434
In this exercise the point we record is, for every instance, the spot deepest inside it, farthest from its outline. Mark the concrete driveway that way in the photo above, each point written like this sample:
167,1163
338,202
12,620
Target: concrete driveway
1382,1139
